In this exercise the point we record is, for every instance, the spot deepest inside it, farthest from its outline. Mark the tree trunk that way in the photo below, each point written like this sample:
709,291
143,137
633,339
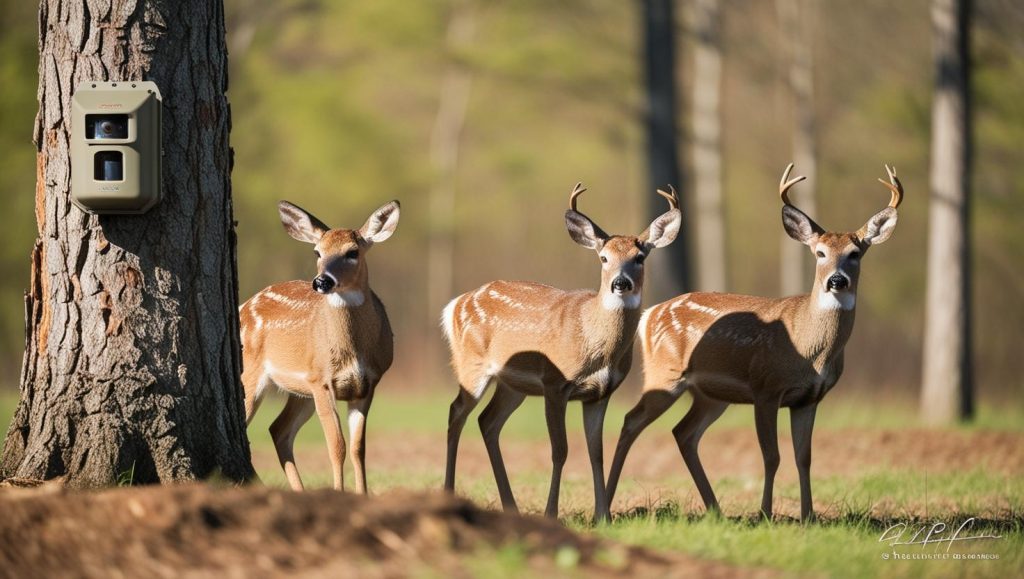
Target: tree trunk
445,138
709,221
796,20
669,269
947,391
132,359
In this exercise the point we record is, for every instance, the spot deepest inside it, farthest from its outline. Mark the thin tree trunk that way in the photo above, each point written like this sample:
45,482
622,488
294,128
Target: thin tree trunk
445,139
946,392
712,252
132,360
796,20
669,269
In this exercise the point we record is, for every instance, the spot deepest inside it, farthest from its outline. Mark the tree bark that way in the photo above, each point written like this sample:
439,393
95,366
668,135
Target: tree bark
796,22
132,359
668,271
712,251
947,389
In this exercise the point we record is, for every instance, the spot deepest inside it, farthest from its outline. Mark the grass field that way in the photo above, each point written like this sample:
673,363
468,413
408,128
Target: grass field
875,467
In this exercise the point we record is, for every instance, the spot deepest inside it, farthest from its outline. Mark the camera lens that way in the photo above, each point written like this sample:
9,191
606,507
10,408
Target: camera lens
106,126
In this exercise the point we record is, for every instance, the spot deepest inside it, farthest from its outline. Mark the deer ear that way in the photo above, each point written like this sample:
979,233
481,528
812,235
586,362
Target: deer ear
663,230
799,226
584,231
300,224
382,223
878,229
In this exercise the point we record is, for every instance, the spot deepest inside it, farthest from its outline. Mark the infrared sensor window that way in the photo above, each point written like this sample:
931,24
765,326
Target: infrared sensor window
108,166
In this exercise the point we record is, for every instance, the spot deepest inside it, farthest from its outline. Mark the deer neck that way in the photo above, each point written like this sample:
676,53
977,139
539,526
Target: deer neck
823,323
609,322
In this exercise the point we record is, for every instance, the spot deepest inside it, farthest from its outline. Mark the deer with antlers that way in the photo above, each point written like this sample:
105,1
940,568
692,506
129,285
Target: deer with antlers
320,342
534,340
736,349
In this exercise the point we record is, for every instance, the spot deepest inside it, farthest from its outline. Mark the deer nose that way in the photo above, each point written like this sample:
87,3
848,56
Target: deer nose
322,284
837,281
622,284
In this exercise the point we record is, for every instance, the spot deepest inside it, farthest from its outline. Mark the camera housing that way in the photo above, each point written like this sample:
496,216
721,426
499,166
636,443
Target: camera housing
116,147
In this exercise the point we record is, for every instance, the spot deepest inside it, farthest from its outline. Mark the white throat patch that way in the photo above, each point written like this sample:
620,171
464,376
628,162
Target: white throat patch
612,301
834,301
349,299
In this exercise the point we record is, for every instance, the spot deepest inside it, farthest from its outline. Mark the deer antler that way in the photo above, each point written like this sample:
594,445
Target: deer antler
894,186
576,192
673,199
785,184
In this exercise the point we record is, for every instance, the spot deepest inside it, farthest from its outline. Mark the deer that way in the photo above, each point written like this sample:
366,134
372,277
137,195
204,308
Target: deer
772,353
531,339
320,342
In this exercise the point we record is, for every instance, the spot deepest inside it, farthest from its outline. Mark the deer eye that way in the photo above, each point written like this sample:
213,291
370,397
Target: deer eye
640,258
352,254
604,259
854,255
819,253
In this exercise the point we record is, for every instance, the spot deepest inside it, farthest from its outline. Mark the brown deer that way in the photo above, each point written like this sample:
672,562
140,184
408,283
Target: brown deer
320,342
736,349
532,339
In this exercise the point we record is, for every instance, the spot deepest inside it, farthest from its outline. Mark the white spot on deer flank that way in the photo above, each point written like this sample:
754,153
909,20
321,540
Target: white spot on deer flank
701,308
506,300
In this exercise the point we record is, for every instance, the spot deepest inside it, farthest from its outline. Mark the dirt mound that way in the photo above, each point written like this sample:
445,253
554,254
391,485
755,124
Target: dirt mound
199,530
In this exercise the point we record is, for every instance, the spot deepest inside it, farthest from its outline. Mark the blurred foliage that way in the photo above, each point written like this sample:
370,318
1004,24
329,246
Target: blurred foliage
333,105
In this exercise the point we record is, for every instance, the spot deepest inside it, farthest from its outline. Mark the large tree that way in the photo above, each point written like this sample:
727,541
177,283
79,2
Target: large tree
132,357
946,391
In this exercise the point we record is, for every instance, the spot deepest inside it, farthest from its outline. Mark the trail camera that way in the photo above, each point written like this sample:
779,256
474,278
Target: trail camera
115,147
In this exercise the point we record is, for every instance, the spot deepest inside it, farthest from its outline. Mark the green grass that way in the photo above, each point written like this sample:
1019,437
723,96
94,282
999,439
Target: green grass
855,510
846,547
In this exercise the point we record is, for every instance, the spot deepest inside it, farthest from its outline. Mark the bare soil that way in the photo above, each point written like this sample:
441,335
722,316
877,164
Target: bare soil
204,530
201,530
655,467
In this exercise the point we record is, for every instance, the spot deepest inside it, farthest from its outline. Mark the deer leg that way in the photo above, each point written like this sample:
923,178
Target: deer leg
688,433
766,414
357,413
504,402
652,404
593,426
458,412
802,425
295,413
327,412
554,413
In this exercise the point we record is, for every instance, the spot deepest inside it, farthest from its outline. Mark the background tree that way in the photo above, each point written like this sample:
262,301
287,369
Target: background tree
132,357
670,271
947,388
706,123
445,139
796,23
